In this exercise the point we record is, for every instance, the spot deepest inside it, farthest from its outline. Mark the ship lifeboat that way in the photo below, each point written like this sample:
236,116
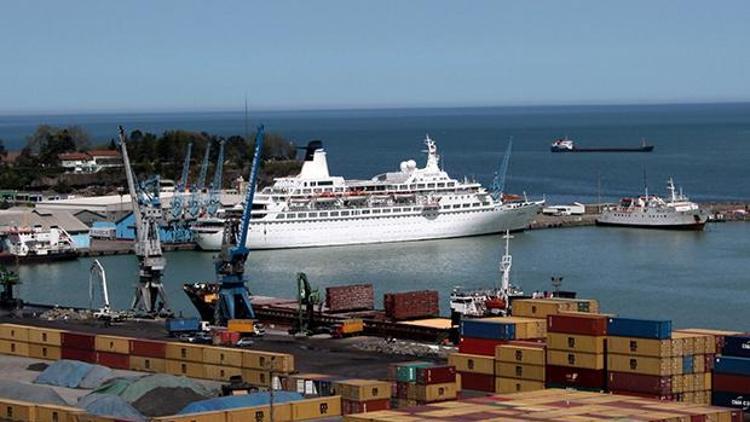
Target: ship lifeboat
495,303
509,197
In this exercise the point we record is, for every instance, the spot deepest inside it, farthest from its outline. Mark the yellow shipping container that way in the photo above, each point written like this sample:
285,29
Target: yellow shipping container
241,325
521,371
17,348
51,413
279,362
40,351
576,343
436,392
513,385
257,377
184,352
644,347
678,383
324,407
14,410
221,373
188,369
14,332
575,359
222,356
520,354
145,364
472,363
85,417
112,344
362,390
525,328
640,364
281,413
699,363
216,416
351,326
541,308
48,336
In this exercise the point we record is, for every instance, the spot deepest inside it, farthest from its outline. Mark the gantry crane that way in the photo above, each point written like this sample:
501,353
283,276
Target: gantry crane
234,296
214,200
497,188
177,217
195,204
150,297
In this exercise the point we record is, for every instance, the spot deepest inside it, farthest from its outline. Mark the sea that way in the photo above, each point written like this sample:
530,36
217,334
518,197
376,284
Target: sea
694,279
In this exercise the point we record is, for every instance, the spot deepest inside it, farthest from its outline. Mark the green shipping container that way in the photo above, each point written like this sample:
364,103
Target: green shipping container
408,372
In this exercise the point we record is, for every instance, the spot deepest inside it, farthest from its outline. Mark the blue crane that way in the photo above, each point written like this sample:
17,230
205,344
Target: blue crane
498,183
234,296
194,203
214,200
178,199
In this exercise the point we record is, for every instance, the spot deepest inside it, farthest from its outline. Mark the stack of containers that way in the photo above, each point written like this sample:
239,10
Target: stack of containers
410,305
699,349
403,375
257,367
309,384
221,363
418,383
576,351
148,355
542,308
184,359
45,343
475,372
112,351
731,376
642,357
519,366
358,396
78,346
14,340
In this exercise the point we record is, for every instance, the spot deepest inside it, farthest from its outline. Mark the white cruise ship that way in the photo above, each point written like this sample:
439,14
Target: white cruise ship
649,211
314,208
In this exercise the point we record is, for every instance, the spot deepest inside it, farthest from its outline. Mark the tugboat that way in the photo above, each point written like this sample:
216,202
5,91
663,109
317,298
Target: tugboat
493,301
567,145
653,212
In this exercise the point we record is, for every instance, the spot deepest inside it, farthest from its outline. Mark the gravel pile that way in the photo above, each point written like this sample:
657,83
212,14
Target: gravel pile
403,348
62,314
165,401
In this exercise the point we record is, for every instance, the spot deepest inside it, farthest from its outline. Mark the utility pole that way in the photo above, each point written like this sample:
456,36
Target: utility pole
270,367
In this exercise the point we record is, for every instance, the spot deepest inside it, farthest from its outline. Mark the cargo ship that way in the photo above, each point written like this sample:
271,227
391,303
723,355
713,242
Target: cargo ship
567,145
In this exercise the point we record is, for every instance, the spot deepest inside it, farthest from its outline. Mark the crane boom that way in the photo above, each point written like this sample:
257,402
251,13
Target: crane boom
204,168
498,183
185,169
213,194
252,183
97,270
178,199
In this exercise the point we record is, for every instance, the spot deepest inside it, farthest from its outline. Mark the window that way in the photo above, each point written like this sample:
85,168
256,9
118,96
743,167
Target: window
302,215
313,214
465,205
291,216
365,211
441,185
334,213
430,185
324,214
386,210
376,211
420,186
456,206
343,213
397,210
280,217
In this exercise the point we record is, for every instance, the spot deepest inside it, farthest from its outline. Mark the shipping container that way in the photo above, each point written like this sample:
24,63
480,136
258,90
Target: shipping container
520,354
730,399
436,374
243,326
644,347
213,416
649,384
576,359
410,305
80,341
148,348
576,343
148,364
732,365
488,329
281,412
325,407
77,354
687,364
644,328
407,371
542,308
46,336
520,371
176,326
362,390
642,365
479,346
113,360
353,297
40,351
14,410
473,363
349,407
731,382
278,362
513,385
562,376
352,326
477,382
112,344
12,347
188,369
738,345
222,356
53,413
14,332
257,377
184,352
220,373
578,323
436,392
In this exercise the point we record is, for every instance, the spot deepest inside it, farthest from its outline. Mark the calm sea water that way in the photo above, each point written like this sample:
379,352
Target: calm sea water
697,279
706,148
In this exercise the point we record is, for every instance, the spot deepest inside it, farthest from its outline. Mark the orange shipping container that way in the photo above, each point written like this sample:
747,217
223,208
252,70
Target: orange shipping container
257,377
51,413
436,392
17,348
215,416
641,364
637,346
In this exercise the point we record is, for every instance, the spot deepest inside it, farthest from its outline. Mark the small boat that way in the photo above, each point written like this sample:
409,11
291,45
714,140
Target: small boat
567,145
36,244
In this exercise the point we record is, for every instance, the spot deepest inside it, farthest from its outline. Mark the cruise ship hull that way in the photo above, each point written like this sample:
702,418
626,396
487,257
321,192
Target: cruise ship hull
682,221
351,231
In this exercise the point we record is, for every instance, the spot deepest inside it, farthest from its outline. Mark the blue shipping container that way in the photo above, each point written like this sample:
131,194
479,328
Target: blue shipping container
736,346
733,400
732,365
175,325
687,364
643,328
494,330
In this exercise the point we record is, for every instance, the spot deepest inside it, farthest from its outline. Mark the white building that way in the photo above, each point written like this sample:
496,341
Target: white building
90,161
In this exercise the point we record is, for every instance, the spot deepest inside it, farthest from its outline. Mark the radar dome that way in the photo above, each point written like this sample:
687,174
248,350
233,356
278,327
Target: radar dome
411,164
404,166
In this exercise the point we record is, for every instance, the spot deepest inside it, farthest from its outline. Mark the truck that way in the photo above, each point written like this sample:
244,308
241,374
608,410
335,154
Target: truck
178,326
246,327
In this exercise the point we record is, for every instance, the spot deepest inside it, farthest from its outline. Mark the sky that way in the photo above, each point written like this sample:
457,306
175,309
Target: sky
169,55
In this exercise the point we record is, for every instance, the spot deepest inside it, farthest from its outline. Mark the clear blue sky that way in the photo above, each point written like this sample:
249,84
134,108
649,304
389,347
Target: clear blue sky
70,56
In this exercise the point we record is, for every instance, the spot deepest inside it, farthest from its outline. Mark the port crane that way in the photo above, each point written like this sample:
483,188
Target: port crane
214,200
194,207
497,189
150,297
177,220
234,296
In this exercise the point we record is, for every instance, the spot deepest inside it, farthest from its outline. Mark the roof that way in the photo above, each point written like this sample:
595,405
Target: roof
25,217
71,156
104,153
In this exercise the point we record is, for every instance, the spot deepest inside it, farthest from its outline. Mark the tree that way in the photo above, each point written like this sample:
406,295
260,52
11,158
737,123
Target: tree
3,152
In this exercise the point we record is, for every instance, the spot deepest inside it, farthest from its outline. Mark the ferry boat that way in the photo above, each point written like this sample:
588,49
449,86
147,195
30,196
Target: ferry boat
314,208
25,244
650,211
567,145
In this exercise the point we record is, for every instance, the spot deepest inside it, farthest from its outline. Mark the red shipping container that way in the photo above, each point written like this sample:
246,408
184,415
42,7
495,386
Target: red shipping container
436,374
477,382
581,324
349,407
113,360
76,354
479,346
646,384
80,341
730,382
353,297
541,343
563,376
148,348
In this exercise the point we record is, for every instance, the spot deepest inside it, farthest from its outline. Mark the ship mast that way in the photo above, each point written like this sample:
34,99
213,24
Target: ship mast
505,263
